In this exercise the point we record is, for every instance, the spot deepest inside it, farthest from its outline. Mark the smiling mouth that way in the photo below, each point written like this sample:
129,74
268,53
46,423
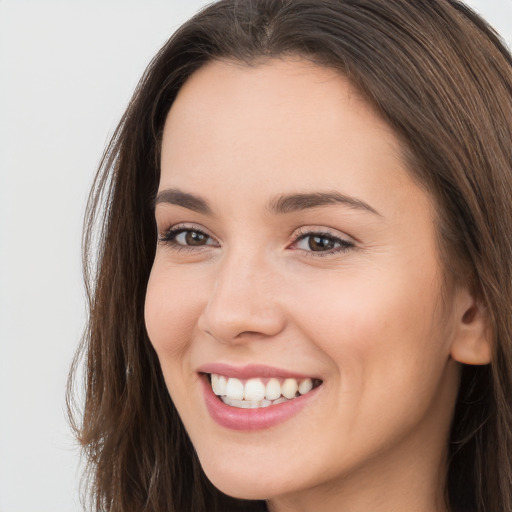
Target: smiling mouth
257,392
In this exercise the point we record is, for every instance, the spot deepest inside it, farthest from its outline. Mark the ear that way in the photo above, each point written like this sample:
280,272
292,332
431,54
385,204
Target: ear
472,340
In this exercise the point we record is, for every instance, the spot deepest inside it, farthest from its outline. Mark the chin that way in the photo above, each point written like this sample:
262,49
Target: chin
255,484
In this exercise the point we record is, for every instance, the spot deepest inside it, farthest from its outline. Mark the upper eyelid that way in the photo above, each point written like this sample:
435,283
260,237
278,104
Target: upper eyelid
322,230
185,226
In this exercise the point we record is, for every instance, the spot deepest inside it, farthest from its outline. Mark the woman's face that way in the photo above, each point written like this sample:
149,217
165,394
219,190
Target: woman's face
295,250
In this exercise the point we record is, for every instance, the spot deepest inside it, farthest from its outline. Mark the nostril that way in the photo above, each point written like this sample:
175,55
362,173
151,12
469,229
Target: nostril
248,334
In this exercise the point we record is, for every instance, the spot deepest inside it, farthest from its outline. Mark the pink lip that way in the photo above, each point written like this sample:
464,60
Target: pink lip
250,371
251,419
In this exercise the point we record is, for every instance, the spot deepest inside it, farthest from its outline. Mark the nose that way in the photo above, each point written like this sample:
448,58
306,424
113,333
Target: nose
243,304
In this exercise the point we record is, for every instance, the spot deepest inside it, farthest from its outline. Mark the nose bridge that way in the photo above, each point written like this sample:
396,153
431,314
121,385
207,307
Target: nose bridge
243,298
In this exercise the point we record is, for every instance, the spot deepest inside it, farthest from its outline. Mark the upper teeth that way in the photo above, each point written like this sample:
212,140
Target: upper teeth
256,390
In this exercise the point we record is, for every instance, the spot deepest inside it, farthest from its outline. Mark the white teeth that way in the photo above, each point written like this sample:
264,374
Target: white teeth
215,383
273,389
305,386
255,393
289,388
219,384
254,390
242,404
251,404
235,389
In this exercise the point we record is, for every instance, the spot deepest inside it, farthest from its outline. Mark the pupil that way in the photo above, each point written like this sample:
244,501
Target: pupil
195,238
320,243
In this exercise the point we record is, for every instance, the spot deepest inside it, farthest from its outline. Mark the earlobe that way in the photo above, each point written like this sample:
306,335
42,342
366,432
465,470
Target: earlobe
472,341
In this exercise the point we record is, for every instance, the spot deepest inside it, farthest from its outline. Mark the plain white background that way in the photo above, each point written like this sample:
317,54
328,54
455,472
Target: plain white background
67,70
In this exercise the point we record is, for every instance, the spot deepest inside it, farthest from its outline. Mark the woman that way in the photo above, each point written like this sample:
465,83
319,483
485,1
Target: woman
303,294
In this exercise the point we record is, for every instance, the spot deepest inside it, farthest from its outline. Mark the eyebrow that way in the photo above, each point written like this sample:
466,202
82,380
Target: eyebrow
179,198
280,205
297,202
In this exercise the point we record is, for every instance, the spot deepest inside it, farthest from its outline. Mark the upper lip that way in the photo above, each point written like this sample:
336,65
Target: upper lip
250,371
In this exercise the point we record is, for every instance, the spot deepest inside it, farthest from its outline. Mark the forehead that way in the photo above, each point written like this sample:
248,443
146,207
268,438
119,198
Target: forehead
292,96
282,124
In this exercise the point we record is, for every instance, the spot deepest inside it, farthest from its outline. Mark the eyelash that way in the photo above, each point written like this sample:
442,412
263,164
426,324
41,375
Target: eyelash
169,238
343,244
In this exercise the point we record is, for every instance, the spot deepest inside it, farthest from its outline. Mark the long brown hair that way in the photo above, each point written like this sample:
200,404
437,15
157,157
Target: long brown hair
442,79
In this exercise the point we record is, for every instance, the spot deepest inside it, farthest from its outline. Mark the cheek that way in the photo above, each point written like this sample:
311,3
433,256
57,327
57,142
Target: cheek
388,359
171,311
376,329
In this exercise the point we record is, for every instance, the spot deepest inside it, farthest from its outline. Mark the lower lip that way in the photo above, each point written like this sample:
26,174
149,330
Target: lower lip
235,418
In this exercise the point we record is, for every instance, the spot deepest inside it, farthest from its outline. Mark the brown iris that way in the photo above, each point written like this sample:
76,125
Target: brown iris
195,238
321,243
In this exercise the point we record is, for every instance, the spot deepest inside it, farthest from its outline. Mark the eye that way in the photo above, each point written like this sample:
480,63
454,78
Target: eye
194,238
181,237
318,242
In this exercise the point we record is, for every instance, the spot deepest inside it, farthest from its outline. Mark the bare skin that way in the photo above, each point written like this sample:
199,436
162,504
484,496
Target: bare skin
348,291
